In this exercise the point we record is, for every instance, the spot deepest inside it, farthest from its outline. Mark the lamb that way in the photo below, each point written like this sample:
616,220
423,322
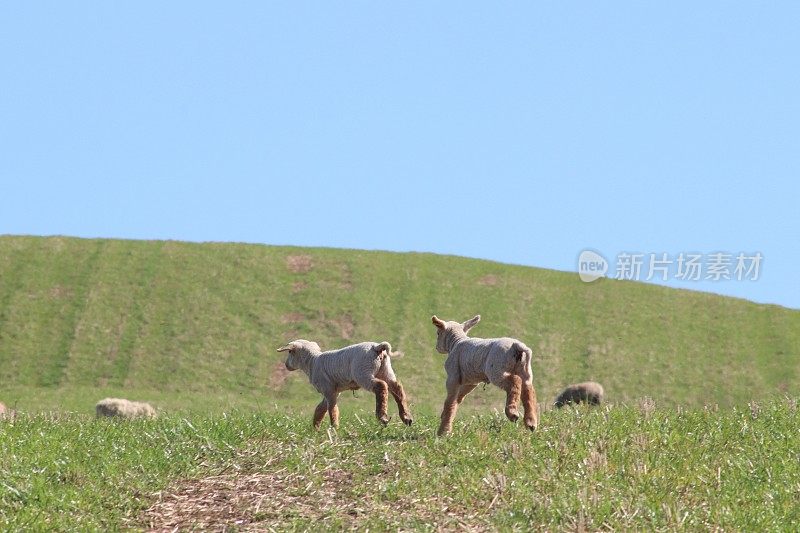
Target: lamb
7,413
504,362
361,366
587,392
119,407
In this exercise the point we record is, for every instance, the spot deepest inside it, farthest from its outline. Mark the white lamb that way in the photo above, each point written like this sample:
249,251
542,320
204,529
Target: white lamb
122,408
504,362
366,366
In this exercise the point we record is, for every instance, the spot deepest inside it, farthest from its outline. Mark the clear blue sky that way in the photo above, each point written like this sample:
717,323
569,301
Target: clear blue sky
520,132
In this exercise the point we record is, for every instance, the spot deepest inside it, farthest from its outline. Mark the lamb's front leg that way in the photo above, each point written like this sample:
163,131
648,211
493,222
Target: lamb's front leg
319,412
381,390
465,389
333,408
450,408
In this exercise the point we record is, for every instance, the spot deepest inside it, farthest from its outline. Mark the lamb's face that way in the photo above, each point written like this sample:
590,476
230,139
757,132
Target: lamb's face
297,351
290,363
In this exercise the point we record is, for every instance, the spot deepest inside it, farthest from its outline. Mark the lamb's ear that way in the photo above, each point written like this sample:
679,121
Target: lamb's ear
469,324
286,348
437,322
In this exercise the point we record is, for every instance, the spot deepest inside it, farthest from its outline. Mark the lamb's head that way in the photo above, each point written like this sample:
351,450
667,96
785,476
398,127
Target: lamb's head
448,331
300,353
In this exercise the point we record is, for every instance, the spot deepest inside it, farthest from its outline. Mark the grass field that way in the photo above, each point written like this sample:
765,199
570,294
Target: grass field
193,329
634,468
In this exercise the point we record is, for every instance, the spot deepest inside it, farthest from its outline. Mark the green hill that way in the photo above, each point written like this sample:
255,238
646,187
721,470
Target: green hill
195,326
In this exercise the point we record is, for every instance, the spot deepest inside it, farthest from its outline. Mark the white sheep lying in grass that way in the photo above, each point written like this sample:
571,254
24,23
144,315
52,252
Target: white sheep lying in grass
122,408
588,392
504,362
7,412
366,366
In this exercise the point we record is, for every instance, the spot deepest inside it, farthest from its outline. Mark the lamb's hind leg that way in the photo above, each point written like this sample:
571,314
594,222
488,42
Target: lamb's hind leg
512,384
381,390
396,389
529,405
529,398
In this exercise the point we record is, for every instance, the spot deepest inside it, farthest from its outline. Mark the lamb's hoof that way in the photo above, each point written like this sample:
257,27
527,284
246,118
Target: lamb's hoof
408,421
384,420
531,425
512,414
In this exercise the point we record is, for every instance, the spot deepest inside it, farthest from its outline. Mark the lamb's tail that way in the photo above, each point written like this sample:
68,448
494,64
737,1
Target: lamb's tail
383,349
523,354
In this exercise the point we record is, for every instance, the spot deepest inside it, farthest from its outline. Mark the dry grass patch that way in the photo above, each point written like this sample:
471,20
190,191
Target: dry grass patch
292,318
257,491
273,501
299,264
249,502
60,292
489,280
279,375
298,286
344,326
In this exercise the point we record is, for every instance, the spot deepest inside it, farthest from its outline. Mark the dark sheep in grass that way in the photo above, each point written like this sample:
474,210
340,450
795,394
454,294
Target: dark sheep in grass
588,392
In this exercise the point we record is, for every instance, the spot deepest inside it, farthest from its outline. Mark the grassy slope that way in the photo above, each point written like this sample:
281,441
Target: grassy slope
196,325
